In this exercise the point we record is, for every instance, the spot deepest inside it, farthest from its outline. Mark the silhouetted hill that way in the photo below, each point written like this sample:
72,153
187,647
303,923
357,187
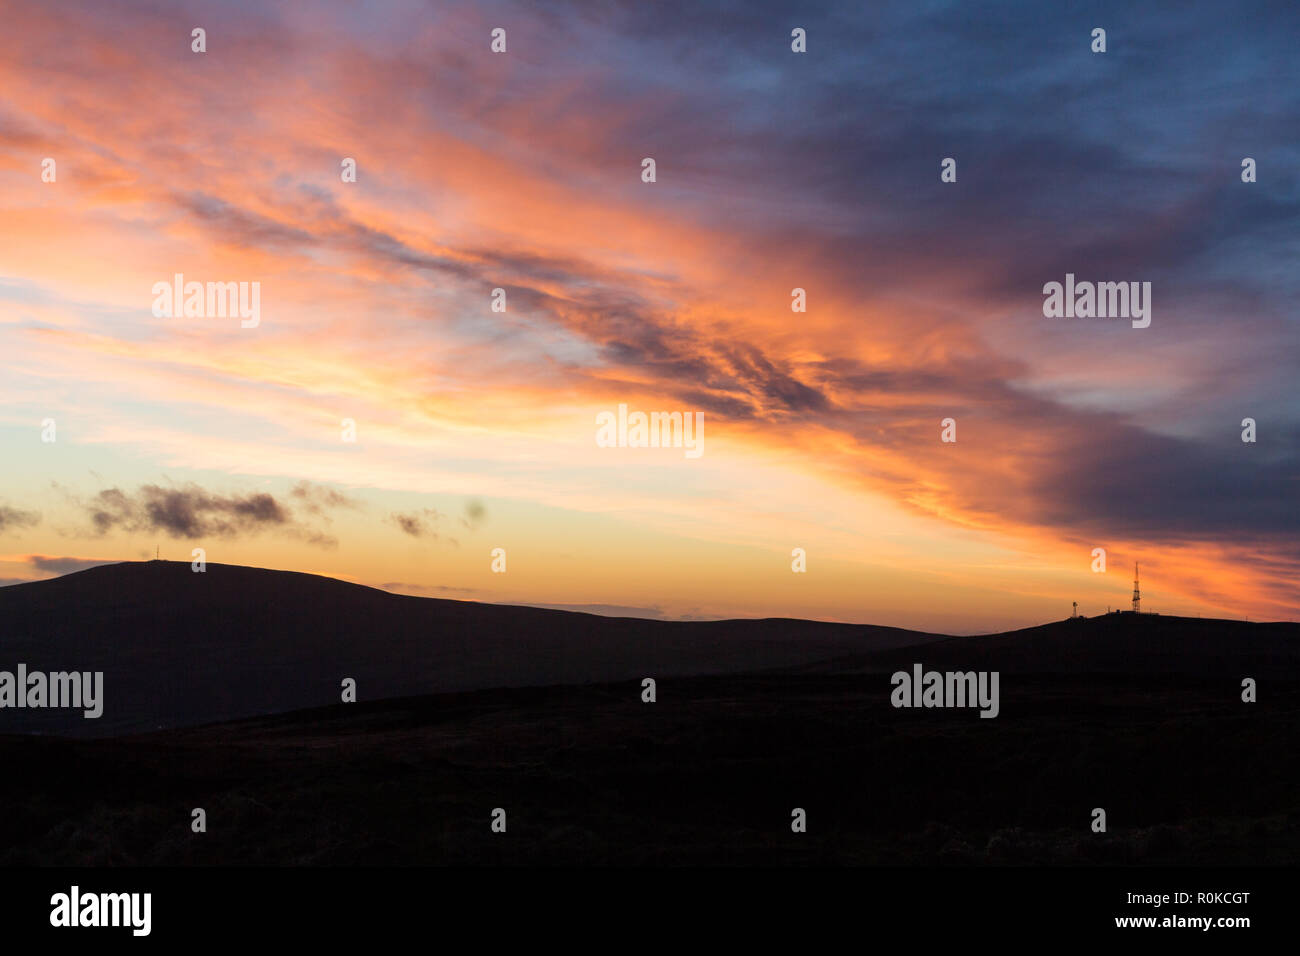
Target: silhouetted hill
179,648
1118,644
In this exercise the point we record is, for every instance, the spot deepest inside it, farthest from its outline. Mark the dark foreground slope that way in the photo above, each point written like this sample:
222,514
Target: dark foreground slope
1186,772
179,648
1140,716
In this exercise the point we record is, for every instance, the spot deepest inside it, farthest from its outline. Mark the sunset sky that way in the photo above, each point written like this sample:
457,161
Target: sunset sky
775,170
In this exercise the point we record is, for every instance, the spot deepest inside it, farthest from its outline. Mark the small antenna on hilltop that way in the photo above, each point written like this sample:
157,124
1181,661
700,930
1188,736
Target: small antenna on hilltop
1137,595
155,552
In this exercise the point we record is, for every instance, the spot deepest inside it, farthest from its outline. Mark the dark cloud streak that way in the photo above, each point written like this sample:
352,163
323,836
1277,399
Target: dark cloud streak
191,512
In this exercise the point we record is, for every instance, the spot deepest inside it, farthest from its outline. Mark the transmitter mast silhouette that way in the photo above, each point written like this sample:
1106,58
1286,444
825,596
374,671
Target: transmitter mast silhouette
1137,595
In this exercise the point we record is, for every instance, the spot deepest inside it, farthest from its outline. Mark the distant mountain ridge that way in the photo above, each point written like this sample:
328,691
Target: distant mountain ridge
179,648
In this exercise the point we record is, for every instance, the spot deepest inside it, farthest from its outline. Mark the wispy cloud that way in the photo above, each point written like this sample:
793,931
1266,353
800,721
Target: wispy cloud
405,587
418,524
191,512
64,565
14,518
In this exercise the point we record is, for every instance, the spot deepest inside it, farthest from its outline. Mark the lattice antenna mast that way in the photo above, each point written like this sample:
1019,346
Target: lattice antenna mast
1137,595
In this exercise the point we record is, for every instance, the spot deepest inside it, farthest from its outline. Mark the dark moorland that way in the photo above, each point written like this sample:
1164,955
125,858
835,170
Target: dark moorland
1139,715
